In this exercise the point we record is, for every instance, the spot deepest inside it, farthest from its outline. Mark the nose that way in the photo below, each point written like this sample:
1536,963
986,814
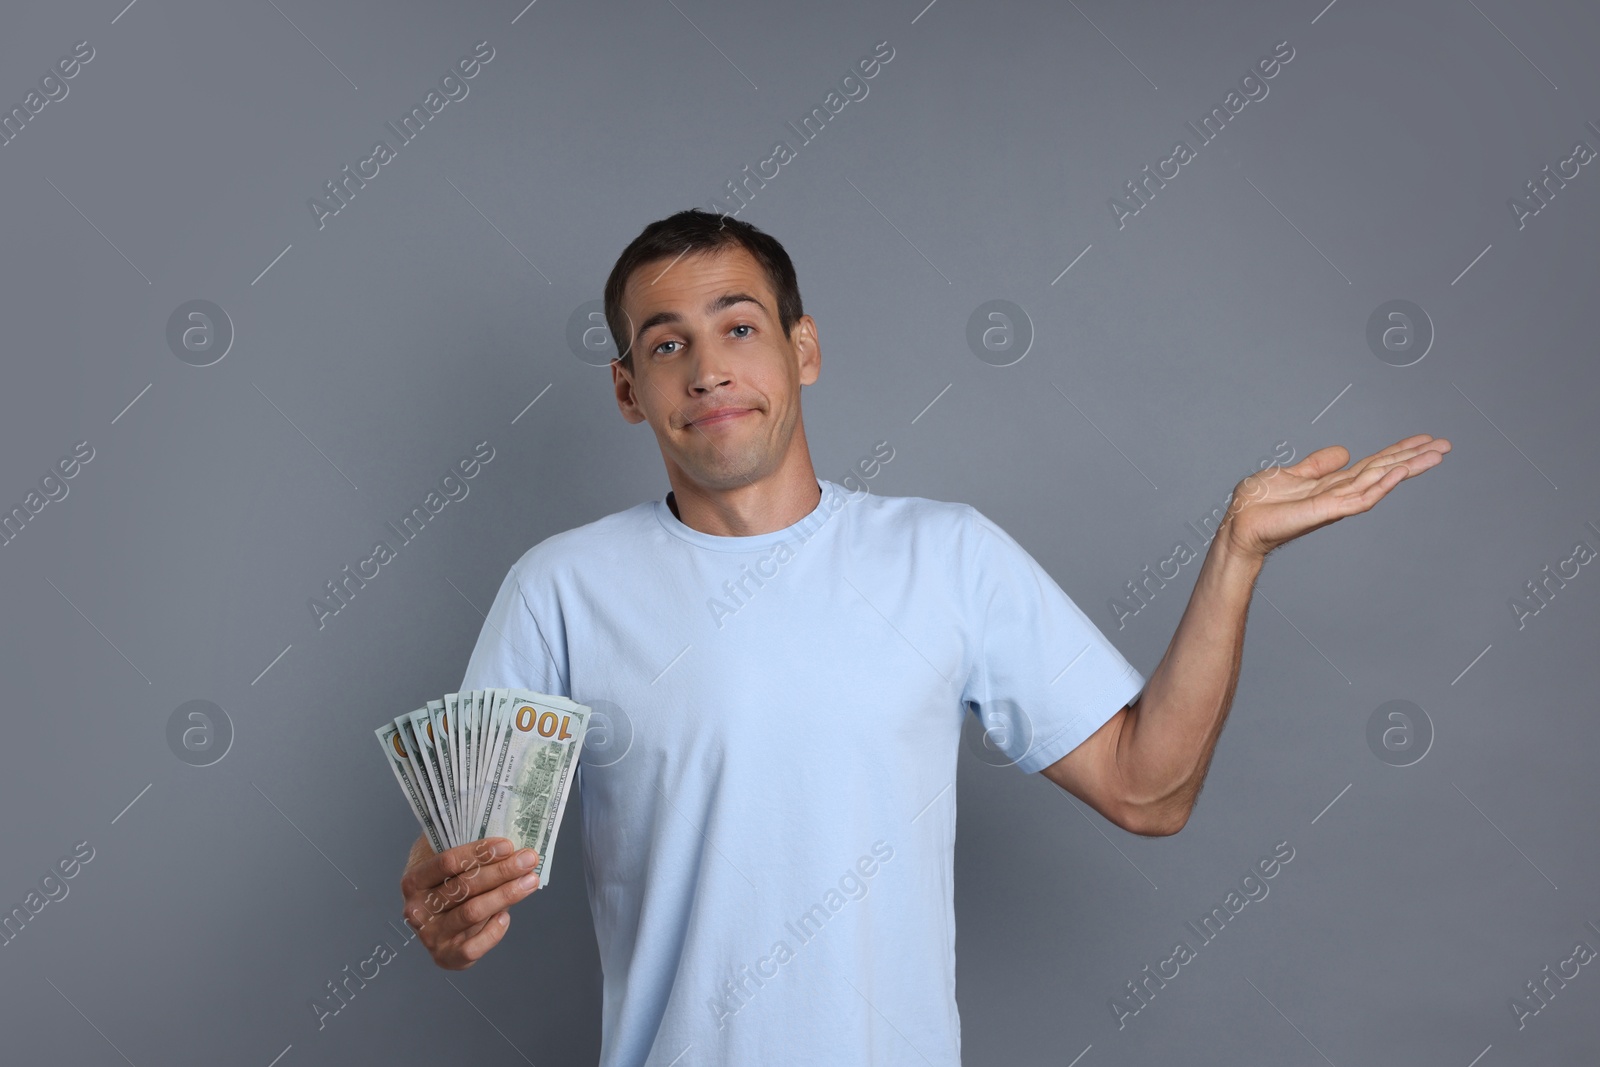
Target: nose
709,370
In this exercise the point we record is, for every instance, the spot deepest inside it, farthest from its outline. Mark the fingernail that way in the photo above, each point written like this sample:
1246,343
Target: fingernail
528,881
527,858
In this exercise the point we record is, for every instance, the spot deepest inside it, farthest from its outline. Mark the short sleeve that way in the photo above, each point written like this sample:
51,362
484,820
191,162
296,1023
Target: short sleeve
512,652
1045,678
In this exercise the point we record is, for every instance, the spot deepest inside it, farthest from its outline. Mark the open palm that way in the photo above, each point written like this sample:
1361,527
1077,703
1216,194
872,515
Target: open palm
1281,503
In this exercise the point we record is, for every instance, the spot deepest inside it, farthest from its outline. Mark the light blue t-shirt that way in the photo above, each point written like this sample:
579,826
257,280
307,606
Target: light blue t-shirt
768,785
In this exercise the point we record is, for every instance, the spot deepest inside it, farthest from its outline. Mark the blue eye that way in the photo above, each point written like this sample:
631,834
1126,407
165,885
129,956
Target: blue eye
664,344
744,326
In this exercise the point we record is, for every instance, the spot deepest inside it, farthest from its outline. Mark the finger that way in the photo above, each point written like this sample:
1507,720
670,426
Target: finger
430,905
1414,441
472,949
1355,488
1380,488
1416,460
1437,445
445,951
433,870
1322,462
1412,462
473,931
1371,487
430,871
469,913
470,884
1414,444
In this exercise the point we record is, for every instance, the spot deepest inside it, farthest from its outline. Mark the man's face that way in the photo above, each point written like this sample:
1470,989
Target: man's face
706,338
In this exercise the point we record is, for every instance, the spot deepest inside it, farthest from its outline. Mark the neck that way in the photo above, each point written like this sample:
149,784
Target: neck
776,502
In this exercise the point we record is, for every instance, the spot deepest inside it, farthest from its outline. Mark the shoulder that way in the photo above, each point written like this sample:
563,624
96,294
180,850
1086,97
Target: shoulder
966,541
915,518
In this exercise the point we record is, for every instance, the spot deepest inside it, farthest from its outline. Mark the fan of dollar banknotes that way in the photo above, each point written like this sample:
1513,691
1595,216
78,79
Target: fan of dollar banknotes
488,763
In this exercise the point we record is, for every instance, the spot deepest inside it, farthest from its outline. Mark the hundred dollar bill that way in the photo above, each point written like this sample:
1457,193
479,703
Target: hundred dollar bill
481,707
467,713
399,763
418,768
493,703
495,733
534,762
448,749
444,751
426,739
453,728
488,762
467,726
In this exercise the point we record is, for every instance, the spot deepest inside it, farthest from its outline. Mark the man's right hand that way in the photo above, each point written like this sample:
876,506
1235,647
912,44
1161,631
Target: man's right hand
456,900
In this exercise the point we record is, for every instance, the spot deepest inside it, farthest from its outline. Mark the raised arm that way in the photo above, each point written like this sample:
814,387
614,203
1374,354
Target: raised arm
1143,769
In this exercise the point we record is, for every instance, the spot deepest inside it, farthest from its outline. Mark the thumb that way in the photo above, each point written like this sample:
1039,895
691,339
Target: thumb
1322,461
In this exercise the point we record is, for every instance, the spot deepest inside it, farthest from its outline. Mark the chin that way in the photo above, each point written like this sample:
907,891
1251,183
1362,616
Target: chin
724,476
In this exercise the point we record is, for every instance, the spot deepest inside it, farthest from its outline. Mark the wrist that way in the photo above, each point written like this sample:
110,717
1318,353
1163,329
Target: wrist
1235,554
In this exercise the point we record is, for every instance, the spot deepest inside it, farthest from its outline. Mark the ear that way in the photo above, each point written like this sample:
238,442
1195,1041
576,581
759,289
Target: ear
808,350
627,403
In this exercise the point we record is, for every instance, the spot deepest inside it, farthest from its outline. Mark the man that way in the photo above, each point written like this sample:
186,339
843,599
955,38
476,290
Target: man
770,864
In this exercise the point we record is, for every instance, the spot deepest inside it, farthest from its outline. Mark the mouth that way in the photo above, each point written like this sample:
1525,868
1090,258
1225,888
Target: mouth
721,417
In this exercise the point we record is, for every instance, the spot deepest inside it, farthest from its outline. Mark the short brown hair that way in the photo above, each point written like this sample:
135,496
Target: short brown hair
690,231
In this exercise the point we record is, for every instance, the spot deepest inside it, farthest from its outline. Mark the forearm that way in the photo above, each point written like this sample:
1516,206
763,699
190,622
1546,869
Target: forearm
1165,746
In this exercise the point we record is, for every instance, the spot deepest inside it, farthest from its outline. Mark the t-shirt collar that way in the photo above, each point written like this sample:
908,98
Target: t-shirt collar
719,543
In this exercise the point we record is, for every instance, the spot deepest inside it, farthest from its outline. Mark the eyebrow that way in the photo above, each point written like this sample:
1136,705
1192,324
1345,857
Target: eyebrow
715,305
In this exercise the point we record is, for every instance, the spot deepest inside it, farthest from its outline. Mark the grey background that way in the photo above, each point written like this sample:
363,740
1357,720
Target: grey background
1227,316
